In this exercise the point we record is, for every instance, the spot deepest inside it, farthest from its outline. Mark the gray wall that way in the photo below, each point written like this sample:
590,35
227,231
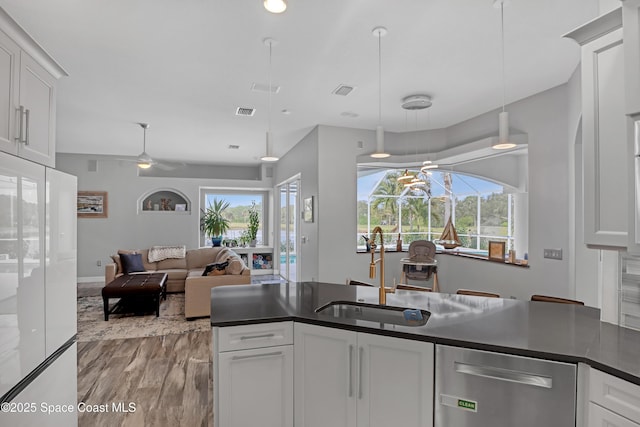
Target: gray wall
543,117
302,159
125,227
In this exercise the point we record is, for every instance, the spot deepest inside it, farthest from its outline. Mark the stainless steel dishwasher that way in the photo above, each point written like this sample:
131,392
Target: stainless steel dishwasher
481,389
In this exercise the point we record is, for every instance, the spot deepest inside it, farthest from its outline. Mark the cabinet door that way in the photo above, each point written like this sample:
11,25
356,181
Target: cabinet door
600,417
395,385
9,69
255,388
38,97
325,376
604,141
631,25
614,393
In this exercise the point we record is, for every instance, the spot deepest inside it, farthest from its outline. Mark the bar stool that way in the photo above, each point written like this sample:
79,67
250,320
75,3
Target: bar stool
547,298
477,293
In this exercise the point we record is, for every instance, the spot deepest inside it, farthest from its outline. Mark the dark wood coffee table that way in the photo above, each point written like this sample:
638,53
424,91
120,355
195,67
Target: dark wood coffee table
136,291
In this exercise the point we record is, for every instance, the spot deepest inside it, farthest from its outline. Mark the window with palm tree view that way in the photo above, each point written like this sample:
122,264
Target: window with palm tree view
479,209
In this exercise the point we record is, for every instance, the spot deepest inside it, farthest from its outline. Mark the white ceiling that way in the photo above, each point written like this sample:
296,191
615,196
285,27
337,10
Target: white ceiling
185,65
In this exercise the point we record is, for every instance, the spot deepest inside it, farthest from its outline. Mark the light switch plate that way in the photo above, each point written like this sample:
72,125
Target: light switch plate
553,253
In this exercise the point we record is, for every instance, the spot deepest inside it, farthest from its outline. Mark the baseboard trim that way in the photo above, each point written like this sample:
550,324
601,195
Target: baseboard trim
90,279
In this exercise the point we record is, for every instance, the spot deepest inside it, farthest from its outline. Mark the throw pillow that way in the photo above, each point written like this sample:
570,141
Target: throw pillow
131,263
235,265
215,268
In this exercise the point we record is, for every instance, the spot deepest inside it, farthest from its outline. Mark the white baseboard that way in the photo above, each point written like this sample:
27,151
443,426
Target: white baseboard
90,279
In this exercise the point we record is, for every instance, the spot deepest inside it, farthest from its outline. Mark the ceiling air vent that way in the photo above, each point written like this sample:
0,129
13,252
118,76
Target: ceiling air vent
243,111
343,90
261,87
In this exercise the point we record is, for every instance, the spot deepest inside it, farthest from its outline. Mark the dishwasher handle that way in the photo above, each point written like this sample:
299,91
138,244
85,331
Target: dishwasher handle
504,375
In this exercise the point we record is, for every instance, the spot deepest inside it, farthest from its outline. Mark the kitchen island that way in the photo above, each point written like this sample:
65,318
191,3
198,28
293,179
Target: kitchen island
554,332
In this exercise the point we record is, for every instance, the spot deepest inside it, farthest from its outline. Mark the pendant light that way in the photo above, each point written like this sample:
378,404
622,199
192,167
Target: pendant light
379,32
503,118
275,6
144,160
269,156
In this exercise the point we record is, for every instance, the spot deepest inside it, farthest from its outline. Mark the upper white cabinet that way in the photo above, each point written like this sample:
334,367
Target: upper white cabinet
28,78
631,22
345,378
605,149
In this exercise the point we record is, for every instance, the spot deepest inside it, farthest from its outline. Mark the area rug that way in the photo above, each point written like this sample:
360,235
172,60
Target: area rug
93,327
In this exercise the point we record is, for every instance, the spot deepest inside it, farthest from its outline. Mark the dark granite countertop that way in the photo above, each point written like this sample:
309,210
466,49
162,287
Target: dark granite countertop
562,332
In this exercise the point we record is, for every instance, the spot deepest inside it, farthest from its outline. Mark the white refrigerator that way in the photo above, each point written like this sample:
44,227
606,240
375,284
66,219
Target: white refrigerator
38,308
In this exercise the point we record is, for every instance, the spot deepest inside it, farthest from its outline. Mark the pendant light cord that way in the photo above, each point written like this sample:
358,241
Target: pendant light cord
380,77
269,106
504,84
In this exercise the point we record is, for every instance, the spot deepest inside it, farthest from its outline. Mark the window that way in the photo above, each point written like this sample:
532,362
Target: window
480,209
238,212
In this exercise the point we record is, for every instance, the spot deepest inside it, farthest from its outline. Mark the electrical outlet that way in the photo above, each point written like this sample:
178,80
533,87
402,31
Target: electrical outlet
553,253
99,263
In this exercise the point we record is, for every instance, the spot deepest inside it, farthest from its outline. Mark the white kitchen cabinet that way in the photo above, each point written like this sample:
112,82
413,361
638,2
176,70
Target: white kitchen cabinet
614,394
600,417
253,372
9,70
631,25
325,376
28,77
345,378
604,124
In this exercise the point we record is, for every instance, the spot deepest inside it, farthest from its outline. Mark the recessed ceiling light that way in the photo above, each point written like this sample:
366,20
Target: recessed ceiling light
233,147
262,87
349,114
286,112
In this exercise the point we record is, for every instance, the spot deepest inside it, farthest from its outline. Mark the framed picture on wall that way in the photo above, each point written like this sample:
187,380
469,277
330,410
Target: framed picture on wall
307,209
496,251
92,204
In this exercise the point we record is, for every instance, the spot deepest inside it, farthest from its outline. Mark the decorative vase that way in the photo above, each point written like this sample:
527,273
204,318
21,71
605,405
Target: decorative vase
216,241
253,243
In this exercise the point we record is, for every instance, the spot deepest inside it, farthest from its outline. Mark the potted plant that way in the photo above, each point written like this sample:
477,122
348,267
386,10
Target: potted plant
213,222
253,225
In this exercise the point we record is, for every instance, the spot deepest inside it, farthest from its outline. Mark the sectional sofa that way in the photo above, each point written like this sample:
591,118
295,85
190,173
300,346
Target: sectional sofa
185,274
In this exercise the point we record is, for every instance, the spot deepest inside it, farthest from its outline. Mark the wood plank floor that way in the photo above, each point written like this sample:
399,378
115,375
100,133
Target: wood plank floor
168,378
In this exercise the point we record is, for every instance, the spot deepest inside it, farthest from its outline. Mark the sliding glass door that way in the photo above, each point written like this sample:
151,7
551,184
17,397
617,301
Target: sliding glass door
289,214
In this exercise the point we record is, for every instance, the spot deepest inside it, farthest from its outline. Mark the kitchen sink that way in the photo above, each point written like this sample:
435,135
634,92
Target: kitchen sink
403,316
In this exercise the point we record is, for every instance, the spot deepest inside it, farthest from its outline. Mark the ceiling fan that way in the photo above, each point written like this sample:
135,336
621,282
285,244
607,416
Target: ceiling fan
145,161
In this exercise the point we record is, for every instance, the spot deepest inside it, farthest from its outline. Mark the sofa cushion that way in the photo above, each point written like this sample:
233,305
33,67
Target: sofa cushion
215,268
131,263
174,273
172,263
198,258
236,265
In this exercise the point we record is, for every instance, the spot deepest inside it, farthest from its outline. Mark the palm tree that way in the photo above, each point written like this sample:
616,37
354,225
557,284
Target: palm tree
389,186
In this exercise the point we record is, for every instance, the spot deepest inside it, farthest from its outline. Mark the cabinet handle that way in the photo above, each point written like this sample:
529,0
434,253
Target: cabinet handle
26,132
504,375
350,370
20,111
361,351
253,337
251,356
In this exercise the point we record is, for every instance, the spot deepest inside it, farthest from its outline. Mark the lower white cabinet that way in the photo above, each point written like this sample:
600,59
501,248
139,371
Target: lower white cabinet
611,401
345,378
253,386
600,417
